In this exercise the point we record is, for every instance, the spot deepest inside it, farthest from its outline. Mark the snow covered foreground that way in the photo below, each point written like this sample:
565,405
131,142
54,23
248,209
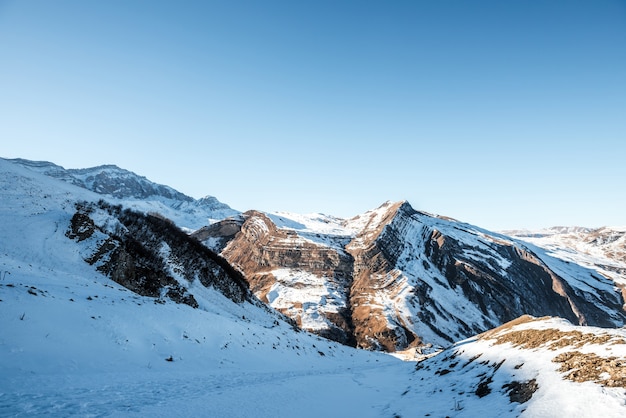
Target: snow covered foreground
86,347
74,343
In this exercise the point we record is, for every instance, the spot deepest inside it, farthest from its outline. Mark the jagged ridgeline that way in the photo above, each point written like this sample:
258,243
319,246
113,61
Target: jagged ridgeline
149,255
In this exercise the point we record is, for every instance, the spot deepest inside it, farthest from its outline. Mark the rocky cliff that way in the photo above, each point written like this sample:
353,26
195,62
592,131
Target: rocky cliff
151,256
394,278
304,279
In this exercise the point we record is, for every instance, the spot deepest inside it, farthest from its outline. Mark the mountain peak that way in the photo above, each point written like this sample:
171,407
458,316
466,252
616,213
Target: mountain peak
136,191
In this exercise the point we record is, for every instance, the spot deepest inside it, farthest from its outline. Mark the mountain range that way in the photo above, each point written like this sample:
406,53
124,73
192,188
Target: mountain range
394,278
107,273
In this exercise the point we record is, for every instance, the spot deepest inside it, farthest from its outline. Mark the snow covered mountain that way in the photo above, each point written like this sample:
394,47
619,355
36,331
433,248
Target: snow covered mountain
602,249
390,279
395,278
76,343
137,192
107,311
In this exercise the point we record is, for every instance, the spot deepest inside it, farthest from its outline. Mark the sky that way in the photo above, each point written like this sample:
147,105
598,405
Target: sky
504,114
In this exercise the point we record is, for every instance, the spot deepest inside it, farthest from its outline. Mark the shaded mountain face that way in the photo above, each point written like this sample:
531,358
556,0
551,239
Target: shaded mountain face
395,278
602,249
150,255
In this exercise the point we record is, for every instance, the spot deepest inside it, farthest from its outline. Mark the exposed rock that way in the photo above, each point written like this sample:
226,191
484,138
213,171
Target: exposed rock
151,256
521,392
589,367
399,278
552,338
578,366
81,226
263,252
376,250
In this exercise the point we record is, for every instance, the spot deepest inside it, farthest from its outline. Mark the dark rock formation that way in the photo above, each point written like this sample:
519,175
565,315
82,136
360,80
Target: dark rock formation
151,256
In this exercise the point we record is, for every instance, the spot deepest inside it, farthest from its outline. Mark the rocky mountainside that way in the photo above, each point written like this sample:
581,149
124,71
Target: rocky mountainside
150,255
395,278
138,192
390,279
603,249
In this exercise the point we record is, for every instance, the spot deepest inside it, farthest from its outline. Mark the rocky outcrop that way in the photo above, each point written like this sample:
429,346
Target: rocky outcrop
298,277
217,235
399,278
150,255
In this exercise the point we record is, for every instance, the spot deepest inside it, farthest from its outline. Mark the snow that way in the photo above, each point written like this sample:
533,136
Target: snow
313,222
74,343
315,228
314,294
572,245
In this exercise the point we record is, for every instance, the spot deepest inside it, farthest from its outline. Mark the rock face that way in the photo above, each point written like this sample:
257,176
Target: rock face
394,278
602,249
150,255
301,278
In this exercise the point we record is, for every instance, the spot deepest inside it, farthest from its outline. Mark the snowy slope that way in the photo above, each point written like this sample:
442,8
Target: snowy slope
74,343
530,367
601,249
92,349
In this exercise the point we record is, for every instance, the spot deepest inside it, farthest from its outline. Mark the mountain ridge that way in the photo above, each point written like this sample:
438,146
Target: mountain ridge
111,181
387,293
76,342
389,279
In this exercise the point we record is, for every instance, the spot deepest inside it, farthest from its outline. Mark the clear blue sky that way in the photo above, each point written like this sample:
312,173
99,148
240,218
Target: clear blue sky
504,114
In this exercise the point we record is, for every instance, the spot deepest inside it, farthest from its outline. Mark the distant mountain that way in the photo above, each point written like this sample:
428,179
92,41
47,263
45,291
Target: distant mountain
606,242
395,278
138,192
106,180
602,249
